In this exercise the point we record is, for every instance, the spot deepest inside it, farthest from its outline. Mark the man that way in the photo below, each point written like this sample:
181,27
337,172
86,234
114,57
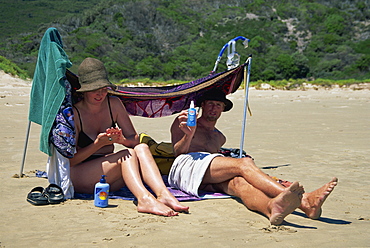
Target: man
198,165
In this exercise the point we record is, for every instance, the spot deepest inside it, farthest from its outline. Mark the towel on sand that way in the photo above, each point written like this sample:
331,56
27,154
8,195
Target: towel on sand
125,194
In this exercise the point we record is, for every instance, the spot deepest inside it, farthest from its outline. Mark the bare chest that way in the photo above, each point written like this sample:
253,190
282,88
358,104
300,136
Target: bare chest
207,140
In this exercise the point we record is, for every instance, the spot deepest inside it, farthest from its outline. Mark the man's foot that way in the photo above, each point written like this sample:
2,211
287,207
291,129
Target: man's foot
285,203
150,205
169,200
312,202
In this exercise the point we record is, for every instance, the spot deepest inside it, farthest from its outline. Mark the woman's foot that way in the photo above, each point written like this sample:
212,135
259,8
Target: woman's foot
150,205
312,202
169,200
285,203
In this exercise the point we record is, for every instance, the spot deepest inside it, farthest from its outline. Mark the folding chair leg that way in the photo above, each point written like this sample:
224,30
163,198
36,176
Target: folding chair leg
25,149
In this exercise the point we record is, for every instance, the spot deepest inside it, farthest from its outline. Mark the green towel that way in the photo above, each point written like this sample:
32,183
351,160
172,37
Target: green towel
48,90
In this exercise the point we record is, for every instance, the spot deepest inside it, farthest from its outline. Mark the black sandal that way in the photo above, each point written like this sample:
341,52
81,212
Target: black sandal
54,194
37,197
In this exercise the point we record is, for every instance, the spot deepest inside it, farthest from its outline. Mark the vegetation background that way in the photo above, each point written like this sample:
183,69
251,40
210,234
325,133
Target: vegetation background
180,40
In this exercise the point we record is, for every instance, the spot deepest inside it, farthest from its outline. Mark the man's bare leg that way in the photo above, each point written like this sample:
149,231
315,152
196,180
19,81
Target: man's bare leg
276,209
285,203
223,168
313,201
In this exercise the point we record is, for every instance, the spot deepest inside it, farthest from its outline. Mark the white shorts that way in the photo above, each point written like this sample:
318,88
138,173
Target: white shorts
188,170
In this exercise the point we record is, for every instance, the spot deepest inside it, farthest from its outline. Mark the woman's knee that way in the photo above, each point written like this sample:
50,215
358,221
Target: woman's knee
142,147
126,154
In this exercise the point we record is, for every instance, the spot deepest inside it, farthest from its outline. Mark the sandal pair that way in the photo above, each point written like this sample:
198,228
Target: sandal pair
53,194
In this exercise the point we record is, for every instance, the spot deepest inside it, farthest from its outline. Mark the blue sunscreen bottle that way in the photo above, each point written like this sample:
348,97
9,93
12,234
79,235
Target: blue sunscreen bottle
192,115
101,193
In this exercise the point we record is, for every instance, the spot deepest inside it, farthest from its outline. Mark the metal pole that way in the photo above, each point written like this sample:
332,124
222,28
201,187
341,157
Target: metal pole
25,149
246,91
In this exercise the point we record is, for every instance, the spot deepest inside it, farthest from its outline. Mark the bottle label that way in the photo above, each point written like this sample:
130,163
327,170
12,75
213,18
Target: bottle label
103,195
192,114
191,117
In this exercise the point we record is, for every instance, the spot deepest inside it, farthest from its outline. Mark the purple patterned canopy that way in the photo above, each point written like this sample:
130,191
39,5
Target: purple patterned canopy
164,101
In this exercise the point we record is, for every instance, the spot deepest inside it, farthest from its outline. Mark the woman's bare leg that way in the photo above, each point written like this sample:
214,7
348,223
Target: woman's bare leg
120,168
147,203
153,179
85,175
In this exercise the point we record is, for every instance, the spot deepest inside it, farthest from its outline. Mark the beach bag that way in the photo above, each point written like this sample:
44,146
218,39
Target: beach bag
162,153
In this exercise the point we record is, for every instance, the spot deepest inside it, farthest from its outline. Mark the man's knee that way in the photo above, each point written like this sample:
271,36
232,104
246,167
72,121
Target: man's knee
238,184
237,181
246,163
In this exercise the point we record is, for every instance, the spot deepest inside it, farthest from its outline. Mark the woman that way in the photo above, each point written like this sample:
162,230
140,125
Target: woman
95,118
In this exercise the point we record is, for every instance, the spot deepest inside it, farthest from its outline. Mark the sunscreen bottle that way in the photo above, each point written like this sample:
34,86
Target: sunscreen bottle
101,193
192,115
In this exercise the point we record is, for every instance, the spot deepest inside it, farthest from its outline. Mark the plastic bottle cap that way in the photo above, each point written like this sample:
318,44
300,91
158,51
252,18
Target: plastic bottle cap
102,180
192,104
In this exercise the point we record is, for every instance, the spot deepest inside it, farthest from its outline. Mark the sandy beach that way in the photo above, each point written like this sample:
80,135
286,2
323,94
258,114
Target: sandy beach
306,136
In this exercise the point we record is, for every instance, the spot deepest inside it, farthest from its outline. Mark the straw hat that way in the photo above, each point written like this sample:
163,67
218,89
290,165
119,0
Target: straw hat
215,95
92,75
